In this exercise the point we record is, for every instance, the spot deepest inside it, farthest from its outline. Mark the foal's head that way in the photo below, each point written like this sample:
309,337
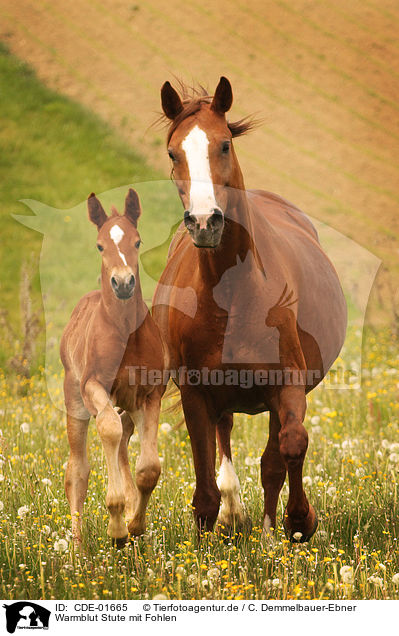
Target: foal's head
204,163
118,241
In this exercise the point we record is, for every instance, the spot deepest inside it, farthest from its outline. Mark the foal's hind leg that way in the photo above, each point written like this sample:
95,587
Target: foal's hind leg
77,472
129,485
148,466
300,520
273,473
231,513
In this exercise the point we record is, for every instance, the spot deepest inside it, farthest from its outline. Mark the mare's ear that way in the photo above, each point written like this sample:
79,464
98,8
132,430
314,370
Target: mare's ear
132,206
96,211
171,102
223,97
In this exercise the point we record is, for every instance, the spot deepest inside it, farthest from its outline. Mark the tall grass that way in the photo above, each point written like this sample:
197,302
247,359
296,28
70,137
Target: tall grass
351,476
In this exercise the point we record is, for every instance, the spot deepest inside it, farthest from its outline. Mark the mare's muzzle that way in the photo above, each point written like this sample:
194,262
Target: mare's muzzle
205,229
123,286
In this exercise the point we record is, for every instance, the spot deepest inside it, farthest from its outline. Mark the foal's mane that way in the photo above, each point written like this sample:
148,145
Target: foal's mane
193,97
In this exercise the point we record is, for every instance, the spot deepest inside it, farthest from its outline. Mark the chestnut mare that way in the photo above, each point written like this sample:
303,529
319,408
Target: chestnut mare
109,331
268,302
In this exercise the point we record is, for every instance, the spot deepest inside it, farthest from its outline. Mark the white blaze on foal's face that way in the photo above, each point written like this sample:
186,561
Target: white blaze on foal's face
116,233
202,195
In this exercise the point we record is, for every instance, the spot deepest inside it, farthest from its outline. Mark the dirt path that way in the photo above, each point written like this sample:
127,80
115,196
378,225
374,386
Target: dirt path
324,76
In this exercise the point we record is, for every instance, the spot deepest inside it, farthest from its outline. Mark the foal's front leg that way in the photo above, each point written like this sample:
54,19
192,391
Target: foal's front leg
109,427
129,485
148,466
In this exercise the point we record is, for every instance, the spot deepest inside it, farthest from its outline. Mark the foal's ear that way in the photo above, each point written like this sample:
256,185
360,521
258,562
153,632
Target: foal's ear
223,97
171,102
96,211
132,206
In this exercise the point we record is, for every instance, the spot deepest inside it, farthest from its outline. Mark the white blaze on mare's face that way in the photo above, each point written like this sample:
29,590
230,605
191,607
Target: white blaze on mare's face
202,195
117,234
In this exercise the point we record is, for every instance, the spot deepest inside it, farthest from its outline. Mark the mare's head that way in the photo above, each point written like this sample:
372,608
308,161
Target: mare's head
204,163
118,241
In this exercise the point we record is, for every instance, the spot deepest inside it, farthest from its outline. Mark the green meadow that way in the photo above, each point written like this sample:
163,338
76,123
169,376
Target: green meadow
55,153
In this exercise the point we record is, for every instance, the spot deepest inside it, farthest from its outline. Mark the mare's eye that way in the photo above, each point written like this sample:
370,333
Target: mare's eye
225,147
100,247
171,155
137,245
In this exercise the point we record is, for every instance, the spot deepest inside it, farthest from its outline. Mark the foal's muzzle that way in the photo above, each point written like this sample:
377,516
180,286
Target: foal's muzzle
205,229
123,286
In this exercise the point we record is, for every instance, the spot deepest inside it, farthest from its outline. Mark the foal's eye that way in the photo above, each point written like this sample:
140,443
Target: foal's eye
100,247
171,155
225,147
137,245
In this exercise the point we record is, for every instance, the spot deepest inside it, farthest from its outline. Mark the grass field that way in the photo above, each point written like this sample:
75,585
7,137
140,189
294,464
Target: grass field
57,152
351,476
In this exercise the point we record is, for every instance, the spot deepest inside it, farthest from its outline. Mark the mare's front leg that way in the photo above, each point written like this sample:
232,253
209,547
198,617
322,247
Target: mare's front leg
148,466
232,514
201,425
299,516
109,427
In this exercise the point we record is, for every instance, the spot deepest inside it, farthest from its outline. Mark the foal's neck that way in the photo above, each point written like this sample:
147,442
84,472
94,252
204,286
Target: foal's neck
125,315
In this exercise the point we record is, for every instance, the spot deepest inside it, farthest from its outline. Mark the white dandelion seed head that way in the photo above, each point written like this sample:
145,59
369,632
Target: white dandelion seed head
165,427
192,580
61,545
395,579
23,510
213,574
25,428
346,574
376,580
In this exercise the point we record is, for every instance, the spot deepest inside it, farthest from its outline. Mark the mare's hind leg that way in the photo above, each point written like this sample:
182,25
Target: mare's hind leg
273,473
148,466
77,472
129,485
231,514
300,520
109,427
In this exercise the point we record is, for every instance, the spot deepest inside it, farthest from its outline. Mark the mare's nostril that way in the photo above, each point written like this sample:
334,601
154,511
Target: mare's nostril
189,221
131,281
114,282
216,220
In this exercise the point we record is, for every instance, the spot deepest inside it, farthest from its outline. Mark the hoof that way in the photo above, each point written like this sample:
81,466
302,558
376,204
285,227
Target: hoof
136,528
119,542
228,531
302,529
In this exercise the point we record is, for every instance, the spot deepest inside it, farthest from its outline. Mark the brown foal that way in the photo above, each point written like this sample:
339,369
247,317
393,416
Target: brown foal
267,301
110,331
